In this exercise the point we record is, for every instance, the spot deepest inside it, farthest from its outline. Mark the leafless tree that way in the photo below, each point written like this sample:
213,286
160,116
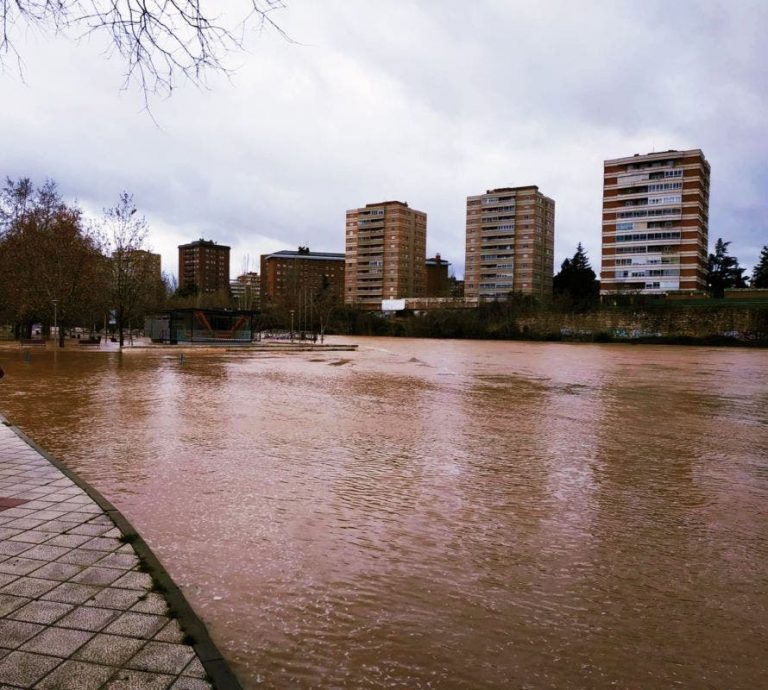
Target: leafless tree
134,273
160,40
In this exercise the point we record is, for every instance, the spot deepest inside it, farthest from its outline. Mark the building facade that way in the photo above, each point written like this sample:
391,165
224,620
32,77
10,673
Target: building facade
386,251
655,223
246,291
437,283
290,276
510,244
204,266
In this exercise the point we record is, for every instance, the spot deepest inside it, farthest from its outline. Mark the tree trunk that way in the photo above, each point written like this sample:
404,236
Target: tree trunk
120,327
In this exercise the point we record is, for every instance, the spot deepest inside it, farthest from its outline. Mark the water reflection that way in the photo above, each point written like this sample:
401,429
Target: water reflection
430,514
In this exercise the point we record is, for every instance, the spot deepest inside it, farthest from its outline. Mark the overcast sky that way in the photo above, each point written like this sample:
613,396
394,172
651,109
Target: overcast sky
424,101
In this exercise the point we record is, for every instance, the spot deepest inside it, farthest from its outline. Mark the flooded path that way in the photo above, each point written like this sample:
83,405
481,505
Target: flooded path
438,514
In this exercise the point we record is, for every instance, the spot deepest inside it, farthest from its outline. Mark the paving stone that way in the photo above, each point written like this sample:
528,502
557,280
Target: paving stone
135,580
88,618
114,598
54,526
57,571
195,669
187,683
138,680
136,625
17,513
172,632
24,523
78,557
15,633
31,536
76,518
24,669
162,657
6,533
41,612
28,587
14,548
76,675
10,603
70,540
102,544
90,530
57,642
45,552
151,602
97,576
72,593
5,578
124,561
111,650
19,566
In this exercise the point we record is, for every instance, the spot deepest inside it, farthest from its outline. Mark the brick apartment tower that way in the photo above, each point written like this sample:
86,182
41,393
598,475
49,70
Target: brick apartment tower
205,265
655,223
510,244
386,251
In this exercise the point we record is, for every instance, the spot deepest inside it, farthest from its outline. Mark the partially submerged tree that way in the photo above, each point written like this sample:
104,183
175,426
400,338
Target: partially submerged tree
135,282
724,271
51,266
159,40
760,271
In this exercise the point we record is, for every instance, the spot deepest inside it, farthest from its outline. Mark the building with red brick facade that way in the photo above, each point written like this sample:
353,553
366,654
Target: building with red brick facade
204,266
288,276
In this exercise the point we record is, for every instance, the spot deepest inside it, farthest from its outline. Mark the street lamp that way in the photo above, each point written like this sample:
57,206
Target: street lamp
55,314
291,325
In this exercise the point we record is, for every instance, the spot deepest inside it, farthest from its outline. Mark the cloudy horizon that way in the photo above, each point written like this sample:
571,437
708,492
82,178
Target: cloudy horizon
422,102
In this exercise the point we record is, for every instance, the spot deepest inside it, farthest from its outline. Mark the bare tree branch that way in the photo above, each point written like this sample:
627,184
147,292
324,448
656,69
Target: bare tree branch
161,41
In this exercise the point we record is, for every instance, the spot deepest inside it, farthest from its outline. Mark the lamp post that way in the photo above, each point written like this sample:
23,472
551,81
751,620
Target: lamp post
291,325
55,319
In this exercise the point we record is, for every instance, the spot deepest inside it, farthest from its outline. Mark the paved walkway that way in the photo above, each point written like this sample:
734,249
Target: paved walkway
78,611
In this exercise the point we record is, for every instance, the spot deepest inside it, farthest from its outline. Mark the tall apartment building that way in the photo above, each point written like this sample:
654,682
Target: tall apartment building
204,265
386,252
510,244
655,223
288,276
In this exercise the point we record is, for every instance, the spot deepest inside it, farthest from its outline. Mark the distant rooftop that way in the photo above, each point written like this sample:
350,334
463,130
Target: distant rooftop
304,253
384,203
512,189
203,243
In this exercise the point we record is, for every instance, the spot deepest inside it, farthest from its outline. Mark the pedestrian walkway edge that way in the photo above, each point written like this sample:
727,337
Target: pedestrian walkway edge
217,668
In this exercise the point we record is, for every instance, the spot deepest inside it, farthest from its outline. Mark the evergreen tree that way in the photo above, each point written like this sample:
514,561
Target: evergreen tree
576,279
760,272
724,271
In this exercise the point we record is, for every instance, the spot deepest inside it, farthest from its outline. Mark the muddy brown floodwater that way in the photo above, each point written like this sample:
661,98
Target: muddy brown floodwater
438,514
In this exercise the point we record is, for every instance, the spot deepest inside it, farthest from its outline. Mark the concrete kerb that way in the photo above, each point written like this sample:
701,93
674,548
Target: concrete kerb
217,668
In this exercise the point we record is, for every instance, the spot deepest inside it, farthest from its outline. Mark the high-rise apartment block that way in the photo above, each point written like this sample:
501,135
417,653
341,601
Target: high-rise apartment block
386,250
510,244
655,223
204,266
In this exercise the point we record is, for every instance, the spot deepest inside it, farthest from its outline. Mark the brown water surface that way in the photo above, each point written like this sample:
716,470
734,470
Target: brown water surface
438,514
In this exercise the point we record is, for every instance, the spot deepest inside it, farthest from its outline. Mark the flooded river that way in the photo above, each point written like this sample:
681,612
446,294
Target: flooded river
438,514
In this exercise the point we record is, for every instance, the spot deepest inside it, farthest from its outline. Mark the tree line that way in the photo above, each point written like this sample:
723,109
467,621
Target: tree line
59,269
576,284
